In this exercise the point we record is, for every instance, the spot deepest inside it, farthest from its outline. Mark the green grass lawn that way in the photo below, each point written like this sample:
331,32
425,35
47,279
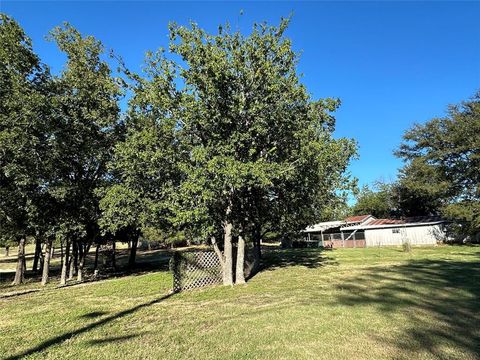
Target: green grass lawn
376,303
147,261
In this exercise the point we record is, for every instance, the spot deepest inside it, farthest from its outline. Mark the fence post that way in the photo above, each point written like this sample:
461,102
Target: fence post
175,268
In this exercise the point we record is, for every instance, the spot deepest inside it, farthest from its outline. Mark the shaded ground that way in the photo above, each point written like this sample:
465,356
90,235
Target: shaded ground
306,304
147,261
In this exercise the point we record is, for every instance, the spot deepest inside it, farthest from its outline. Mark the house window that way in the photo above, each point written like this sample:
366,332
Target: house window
395,231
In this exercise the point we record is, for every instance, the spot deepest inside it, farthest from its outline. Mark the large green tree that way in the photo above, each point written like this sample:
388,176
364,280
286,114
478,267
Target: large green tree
86,129
24,113
443,163
145,166
258,142
415,197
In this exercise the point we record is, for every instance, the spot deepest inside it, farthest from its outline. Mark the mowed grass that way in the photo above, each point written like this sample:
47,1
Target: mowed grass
147,261
376,303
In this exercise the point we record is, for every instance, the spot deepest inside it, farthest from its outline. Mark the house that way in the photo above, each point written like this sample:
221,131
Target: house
368,231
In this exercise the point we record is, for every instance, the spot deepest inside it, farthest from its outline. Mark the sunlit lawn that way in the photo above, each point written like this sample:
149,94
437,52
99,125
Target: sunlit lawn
372,303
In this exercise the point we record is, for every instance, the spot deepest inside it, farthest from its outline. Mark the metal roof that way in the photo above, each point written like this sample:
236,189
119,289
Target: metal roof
349,221
370,222
384,222
324,226
407,222
359,218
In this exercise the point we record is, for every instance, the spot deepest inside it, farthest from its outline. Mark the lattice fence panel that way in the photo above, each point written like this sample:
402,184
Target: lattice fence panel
195,269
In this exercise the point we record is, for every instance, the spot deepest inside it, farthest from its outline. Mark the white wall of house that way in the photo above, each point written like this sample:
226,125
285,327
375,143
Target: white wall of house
391,236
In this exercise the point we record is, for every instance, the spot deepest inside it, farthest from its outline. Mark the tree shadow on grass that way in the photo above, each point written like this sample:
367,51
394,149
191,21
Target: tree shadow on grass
17,293
6,278
13,259
309,258
93,314
112,339
59,339
441,298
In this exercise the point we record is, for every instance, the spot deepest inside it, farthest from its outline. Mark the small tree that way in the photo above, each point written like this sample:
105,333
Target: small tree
379,201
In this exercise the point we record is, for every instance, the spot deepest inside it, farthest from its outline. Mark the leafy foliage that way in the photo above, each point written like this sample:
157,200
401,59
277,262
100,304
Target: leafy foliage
378,201
227,142
145,163
86,129
261,150
443,162
23,131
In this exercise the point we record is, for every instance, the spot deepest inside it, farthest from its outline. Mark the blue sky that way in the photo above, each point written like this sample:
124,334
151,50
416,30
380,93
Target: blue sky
391,63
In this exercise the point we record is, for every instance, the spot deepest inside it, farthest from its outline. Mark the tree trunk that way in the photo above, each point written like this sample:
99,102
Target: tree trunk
73,264
239,270
228,256
95,263
114,263
41,261
46,262
75,258
257,255
38,252
65,258
53,252
20,272
81,261
218,252
61,254
70,266
7,251
133,251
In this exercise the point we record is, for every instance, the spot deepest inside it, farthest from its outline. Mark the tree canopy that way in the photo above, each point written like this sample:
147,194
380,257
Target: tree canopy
443,163
261,150
379,201
24,107
219,140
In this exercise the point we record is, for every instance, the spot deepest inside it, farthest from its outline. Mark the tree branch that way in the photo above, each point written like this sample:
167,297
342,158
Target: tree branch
217,251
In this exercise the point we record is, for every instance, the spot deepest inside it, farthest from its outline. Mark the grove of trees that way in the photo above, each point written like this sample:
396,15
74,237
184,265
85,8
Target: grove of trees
441,173
443,165
224,144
